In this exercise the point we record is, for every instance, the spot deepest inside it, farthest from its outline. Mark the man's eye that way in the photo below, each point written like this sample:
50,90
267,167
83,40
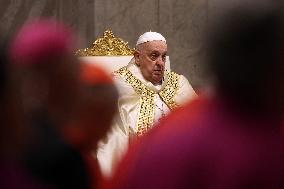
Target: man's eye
153,56
164,57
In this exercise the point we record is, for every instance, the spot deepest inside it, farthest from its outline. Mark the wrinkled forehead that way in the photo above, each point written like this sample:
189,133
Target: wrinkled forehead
159,46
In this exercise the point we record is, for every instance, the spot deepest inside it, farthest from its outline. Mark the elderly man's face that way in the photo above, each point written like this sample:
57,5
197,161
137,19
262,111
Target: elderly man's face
151,58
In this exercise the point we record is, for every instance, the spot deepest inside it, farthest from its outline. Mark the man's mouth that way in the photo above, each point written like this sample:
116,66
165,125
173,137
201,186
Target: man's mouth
158,70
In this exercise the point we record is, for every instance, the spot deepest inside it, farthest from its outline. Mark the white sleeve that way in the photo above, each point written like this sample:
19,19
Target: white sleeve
185,93
111,150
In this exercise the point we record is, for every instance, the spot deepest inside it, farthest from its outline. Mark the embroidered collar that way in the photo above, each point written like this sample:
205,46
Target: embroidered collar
134,69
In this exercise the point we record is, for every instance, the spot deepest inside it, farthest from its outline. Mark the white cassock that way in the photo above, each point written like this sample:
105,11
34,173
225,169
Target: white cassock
141,104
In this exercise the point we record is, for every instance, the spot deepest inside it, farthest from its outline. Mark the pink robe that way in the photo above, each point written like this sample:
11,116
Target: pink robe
208,144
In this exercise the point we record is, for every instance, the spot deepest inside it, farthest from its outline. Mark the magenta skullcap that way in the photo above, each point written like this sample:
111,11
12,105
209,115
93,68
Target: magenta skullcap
41,39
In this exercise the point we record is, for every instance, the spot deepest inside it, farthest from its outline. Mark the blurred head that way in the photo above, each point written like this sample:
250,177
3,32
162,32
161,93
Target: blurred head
42,53
97,109
150,56
245,52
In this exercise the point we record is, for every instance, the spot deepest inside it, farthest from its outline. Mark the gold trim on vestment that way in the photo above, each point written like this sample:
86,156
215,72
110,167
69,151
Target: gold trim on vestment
169,92
146,114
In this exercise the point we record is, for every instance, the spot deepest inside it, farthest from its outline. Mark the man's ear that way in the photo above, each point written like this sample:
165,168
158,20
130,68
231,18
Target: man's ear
137,57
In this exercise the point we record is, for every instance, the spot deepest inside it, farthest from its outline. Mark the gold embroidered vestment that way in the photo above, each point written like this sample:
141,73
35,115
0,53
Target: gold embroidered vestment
147,96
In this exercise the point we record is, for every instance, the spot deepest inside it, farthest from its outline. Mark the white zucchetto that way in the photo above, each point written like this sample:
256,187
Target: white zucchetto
150,36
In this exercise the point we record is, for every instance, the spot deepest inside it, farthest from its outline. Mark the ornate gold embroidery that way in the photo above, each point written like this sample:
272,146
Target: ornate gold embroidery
146,113
170,90
108,45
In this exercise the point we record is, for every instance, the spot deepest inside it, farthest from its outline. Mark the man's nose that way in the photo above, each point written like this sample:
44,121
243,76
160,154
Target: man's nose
160,61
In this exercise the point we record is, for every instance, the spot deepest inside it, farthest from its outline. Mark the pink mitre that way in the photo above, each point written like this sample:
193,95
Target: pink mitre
41,39
150,36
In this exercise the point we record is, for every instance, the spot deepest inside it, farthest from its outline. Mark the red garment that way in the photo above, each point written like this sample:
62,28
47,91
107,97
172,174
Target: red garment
208,144
92,165
13,176
92,75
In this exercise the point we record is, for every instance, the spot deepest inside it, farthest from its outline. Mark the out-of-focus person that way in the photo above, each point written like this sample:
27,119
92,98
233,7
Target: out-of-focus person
147,93
94,117
232,138
42,53
13,131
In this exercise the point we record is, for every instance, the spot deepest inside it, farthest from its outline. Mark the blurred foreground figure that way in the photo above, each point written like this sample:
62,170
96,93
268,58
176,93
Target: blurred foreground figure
13,132
42,56
230,140
94,117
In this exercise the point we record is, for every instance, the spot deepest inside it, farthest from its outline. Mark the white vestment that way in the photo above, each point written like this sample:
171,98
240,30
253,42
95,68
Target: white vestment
132,108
